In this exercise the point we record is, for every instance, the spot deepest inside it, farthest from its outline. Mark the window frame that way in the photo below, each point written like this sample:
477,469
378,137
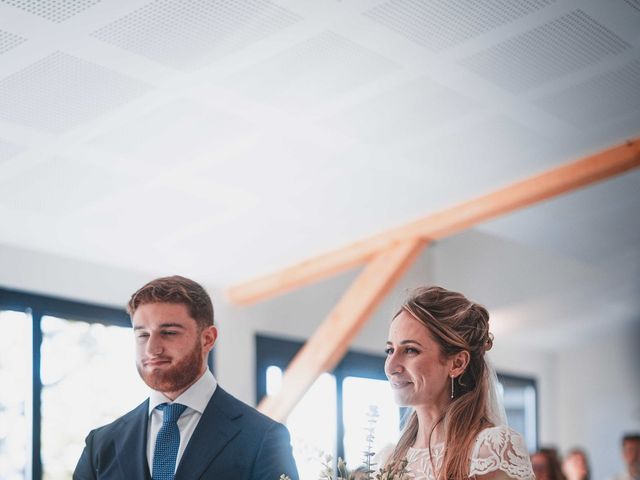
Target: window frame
39,306
278,351
532,382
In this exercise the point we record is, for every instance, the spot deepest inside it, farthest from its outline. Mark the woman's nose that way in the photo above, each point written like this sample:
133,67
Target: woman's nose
392,365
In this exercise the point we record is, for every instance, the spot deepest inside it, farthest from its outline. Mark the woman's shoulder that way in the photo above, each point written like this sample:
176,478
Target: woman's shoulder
503,449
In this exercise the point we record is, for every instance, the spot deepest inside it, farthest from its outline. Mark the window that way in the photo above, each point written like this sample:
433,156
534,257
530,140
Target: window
89,368
519,395
59,356
15,397
357,384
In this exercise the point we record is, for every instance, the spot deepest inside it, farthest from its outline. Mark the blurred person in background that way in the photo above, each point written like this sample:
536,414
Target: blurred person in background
631,456
575,465
546,464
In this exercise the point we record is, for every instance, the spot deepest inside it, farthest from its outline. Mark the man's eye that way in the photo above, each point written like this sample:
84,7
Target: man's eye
169,332
142,335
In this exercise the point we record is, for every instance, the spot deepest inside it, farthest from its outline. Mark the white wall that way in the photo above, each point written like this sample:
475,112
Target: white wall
599,397
62,277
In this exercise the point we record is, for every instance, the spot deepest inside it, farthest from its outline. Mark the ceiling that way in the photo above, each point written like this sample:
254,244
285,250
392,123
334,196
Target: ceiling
225,139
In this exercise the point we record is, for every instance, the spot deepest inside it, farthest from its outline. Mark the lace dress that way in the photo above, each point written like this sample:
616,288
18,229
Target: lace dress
496,449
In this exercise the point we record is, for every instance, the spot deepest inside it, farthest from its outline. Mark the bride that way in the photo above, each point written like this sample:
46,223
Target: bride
436,364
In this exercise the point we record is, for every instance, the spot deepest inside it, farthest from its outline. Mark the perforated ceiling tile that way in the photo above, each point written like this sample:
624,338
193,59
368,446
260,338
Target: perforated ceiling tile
562,46
634,4
312,72
9,150
598,100
9,41
189,34
60,186
54,10
61,91
444,23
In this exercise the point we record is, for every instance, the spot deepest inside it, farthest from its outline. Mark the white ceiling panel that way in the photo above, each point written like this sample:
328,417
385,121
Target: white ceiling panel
62,91
591,225
175,133
548,52
312,72
187,35
9,150
231,137
407,111
59,187
55,10
492,152
599,99
9,40
442,24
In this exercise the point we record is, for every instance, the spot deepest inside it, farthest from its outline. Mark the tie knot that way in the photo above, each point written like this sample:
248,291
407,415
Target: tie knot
171,411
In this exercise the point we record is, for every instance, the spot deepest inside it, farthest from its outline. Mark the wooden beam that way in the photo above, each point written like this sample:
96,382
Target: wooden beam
331,340
526,192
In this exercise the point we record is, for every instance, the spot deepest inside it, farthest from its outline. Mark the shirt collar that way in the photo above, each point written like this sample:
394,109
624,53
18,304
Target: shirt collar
196,397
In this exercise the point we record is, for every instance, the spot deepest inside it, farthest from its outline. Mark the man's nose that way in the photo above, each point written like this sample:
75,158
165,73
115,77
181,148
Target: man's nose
154,345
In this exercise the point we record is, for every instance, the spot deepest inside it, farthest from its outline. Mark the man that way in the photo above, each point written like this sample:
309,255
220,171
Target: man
189,428
631,456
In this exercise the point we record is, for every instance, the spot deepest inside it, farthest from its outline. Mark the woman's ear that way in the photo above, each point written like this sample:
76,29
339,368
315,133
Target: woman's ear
460,362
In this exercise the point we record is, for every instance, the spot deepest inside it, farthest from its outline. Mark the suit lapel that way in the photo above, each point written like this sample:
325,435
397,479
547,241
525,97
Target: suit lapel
131,444
215,430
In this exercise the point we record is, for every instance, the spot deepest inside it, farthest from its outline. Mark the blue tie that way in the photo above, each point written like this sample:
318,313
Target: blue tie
167,442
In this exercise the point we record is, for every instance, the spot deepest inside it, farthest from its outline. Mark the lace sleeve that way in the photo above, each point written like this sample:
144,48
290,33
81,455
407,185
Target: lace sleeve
501,448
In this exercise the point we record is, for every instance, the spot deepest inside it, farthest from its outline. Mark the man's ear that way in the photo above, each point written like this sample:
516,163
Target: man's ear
209,336
460,362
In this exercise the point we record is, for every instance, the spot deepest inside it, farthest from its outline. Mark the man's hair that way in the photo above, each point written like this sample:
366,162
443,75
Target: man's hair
631,437
179,290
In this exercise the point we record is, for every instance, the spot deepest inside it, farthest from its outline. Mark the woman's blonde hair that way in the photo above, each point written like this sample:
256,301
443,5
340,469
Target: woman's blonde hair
456,324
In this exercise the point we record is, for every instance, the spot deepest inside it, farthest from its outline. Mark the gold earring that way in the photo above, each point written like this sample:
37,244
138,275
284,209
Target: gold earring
452,387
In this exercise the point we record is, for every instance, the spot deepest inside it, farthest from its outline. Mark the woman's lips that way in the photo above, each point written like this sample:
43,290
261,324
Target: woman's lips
399,384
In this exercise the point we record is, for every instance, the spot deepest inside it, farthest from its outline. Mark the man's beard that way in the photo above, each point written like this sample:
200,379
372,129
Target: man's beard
175,378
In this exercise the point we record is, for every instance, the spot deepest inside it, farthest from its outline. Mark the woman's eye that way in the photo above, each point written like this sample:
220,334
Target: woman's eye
388,351
411,350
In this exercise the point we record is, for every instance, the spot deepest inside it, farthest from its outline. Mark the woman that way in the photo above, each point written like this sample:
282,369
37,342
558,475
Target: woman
435,364
546,464
575,465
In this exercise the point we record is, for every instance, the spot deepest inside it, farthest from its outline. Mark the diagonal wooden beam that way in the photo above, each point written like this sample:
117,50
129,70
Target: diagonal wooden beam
526,192
328,344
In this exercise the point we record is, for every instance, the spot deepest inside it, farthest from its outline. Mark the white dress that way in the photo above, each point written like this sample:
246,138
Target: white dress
496,448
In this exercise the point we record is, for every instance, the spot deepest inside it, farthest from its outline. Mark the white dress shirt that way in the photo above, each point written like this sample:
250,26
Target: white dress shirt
196,398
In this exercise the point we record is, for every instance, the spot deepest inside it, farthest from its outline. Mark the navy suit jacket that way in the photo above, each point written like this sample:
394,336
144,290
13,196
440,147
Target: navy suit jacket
232,441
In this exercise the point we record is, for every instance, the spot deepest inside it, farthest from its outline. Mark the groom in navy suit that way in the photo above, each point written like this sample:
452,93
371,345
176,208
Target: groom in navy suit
189,428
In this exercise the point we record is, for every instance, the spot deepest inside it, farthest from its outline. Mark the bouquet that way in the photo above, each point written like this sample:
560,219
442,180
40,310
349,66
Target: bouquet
392,471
